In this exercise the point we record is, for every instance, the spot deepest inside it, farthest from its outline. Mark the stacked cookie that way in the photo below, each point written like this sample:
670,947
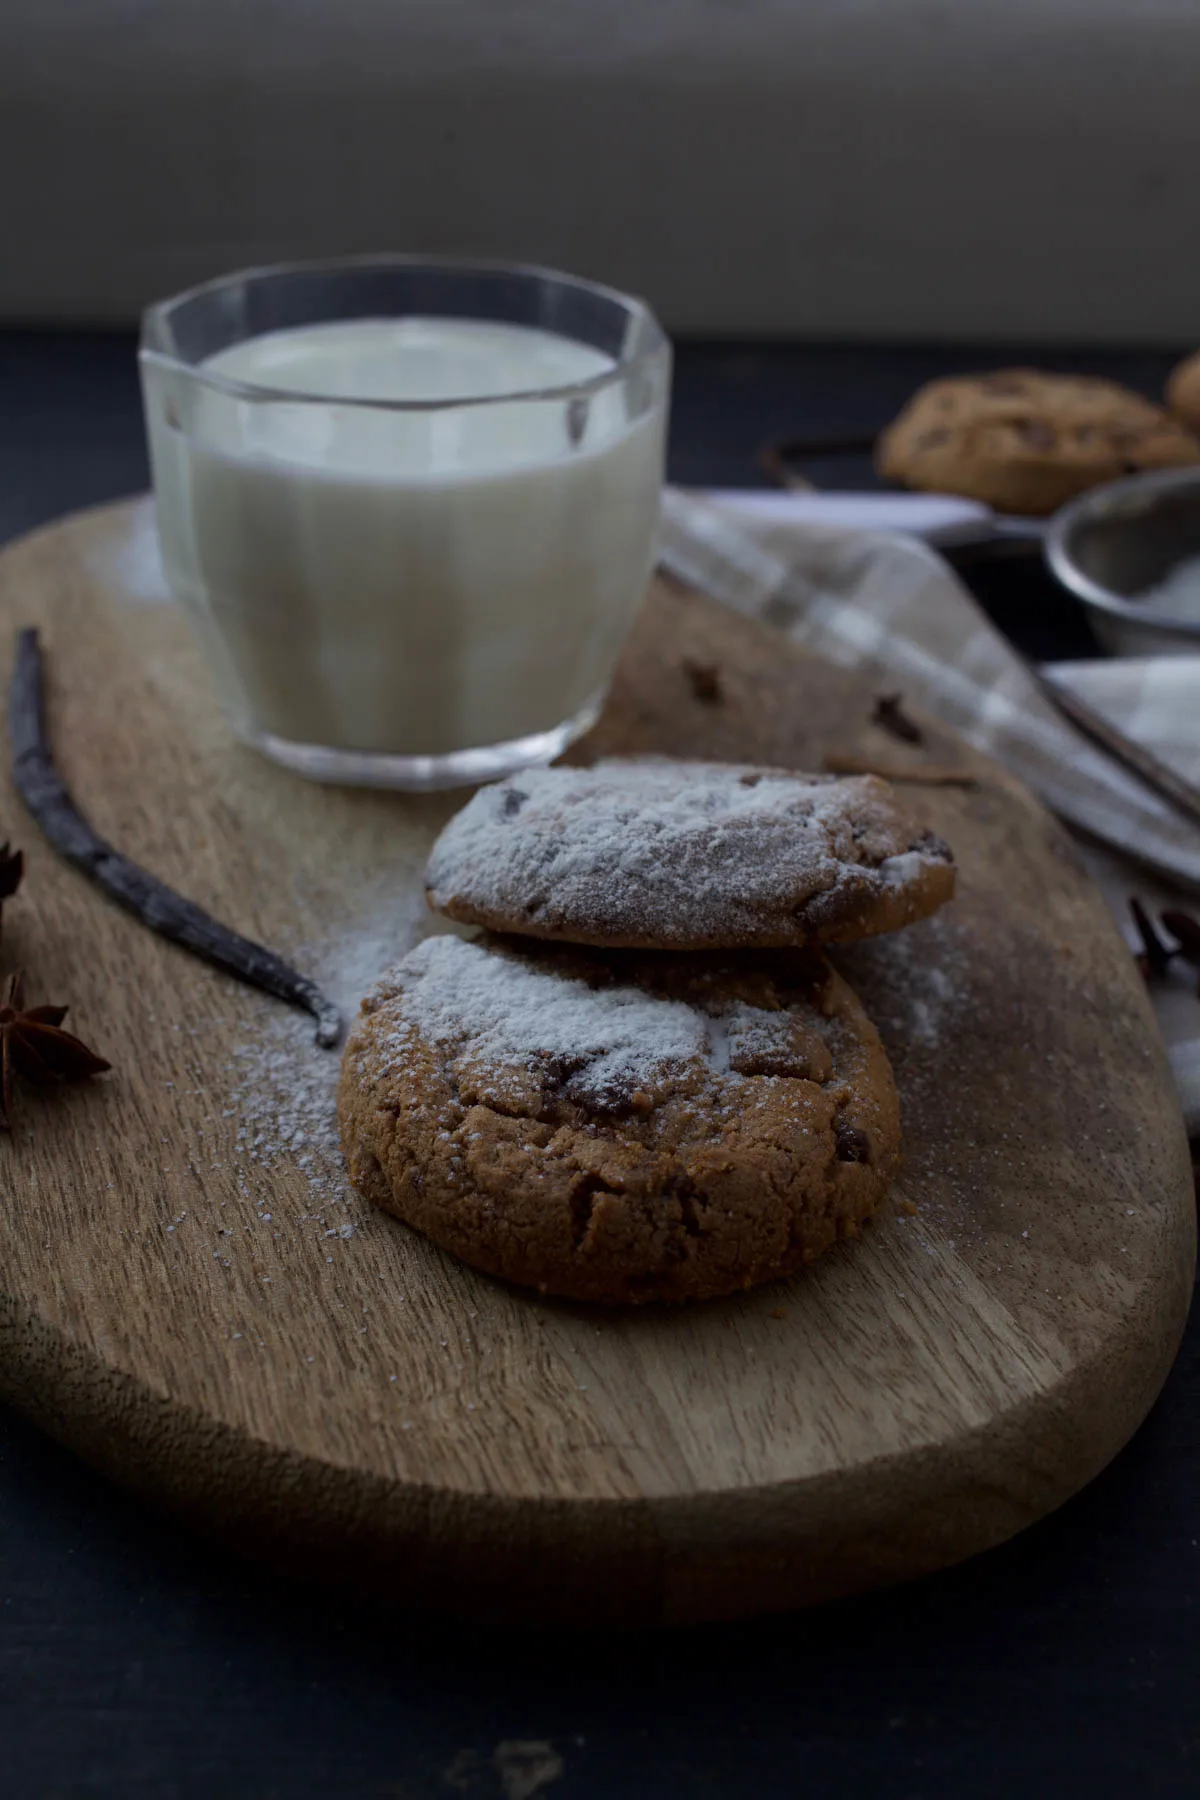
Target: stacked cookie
644,1081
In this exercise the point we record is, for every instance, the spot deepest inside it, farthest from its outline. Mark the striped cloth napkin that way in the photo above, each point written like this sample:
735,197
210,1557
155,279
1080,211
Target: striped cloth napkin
889,605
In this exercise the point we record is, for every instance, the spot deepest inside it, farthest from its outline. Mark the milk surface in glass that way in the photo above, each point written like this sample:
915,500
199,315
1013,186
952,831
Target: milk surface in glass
414,581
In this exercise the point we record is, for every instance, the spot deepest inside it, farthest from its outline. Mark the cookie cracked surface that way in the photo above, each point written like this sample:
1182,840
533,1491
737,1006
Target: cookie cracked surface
619,1128
650,853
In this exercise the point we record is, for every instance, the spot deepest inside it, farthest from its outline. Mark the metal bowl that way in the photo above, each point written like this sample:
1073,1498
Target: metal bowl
1117,543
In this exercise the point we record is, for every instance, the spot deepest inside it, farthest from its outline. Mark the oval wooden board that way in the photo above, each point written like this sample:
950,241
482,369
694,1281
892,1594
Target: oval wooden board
194,1301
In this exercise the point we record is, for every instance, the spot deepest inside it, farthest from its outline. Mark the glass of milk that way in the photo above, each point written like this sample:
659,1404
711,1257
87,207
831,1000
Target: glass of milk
410,505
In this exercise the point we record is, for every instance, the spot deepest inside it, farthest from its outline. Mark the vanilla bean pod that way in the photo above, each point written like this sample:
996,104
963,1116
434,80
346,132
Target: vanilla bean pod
157,906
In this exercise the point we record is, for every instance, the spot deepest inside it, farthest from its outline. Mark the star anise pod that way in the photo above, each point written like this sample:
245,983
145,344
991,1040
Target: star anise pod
34,1045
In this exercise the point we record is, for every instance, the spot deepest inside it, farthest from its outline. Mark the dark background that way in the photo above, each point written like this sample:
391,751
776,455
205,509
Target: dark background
139,1663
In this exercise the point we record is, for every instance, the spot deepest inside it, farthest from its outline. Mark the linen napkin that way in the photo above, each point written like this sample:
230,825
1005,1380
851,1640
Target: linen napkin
891,606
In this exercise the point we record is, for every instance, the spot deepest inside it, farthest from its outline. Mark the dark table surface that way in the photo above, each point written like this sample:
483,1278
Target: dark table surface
137,1661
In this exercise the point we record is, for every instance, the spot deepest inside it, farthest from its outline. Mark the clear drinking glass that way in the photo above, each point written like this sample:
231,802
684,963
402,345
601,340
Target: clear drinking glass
410,505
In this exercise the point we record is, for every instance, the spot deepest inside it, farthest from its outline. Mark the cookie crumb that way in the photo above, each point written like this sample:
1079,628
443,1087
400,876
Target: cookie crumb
705,679
890,716
526,1766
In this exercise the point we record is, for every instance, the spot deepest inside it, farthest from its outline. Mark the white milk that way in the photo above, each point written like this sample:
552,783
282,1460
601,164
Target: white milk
407,583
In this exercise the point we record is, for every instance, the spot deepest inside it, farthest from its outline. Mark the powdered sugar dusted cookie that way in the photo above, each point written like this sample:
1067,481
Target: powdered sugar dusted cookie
619,1127
660,854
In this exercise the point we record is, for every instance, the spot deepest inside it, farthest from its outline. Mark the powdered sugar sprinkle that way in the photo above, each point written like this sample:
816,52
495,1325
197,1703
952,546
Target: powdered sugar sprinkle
457,994
678,853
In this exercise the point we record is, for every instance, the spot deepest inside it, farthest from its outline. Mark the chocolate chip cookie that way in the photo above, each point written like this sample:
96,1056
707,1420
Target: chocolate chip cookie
672,855
1183,391
1025,442
619,1127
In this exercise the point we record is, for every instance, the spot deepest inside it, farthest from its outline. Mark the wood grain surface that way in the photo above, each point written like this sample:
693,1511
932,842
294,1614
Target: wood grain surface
192,1299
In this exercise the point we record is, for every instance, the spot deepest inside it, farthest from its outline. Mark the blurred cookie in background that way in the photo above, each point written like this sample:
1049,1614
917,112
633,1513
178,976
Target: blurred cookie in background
1026,442
1183,391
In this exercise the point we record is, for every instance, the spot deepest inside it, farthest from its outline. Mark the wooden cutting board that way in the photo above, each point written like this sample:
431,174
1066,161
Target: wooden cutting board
192,1299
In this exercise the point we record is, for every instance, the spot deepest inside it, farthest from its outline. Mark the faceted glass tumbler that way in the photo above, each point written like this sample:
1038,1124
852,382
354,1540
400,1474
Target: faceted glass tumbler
410,506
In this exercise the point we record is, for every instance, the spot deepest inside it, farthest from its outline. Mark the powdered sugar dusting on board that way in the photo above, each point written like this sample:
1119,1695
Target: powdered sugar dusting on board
285,1086
677,853
919,988
916,985
917,1008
